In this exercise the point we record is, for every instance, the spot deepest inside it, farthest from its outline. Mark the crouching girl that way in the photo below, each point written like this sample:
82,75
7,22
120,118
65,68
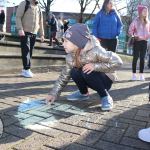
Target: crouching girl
89,65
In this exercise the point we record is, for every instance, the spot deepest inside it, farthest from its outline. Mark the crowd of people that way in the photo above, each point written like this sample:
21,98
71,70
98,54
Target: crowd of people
91,59
57,27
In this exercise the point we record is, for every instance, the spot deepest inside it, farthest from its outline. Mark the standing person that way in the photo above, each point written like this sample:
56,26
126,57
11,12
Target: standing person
66,25
53,23
2,21
107,26
29,20
60,29
140,30
88,64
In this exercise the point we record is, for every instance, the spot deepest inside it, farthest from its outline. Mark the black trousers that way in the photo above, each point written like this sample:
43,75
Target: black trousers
109,44
148,60
53,37
97,81
139,51
27,45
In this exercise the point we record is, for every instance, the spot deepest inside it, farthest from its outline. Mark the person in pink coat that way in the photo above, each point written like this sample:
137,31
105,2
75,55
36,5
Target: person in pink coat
140,30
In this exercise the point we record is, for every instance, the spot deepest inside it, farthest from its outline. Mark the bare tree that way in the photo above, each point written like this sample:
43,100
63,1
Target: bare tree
45,5
83,6
96,5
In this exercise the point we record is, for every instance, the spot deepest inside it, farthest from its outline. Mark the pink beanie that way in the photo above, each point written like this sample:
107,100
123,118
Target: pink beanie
141,7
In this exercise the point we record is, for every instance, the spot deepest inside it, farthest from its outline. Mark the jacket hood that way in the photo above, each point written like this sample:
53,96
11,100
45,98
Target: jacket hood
91,44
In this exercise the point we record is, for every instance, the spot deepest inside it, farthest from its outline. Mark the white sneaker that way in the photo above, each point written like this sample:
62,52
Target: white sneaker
144,135
27,73
134,77
142,78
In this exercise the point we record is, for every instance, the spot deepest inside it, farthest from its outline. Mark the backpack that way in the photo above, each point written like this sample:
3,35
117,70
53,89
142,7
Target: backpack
27,7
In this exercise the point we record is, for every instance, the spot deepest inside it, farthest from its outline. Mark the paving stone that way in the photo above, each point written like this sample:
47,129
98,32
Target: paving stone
62,141
133,130
133,122
135,143
73,120
18,114
89,138
92,126
17,131
92,117
143,113
51,121
75,146
113,135
35,143
130,114
10,120
141,118
9,141
104,145
41,129
29,121
113,123
39,114
69,128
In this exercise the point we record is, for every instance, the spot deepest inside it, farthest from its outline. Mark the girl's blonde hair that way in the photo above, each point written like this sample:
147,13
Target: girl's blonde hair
146,20
77,59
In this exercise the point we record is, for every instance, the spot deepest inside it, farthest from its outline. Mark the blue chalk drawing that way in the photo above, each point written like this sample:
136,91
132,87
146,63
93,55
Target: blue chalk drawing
37,115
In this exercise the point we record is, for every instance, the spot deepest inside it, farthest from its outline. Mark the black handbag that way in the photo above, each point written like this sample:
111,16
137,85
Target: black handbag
131,41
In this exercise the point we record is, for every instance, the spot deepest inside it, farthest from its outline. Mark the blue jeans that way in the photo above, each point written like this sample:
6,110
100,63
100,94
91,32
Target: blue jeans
97,81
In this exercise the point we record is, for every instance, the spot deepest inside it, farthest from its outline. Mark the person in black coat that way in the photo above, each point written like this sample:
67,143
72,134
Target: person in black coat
53,24
2,20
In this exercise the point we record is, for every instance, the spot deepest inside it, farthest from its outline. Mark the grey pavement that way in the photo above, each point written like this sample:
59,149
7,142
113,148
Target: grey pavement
30,124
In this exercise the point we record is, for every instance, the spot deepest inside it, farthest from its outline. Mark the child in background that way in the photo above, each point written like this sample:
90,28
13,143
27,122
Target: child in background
140,30
89,65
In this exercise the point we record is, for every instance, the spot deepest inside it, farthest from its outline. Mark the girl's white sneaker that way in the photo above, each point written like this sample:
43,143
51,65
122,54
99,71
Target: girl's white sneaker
142,78
134,77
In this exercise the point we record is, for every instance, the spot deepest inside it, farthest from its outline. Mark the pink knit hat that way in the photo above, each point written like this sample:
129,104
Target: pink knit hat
141,7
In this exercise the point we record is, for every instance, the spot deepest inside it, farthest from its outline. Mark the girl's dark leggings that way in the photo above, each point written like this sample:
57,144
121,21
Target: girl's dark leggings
97,81
139,51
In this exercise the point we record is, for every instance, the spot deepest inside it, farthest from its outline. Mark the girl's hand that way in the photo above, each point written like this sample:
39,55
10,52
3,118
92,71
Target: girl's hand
50,99
88,68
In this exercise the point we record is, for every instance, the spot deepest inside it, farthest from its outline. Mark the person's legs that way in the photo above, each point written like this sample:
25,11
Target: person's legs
76,75
25,49
112,45
149,61
99,82
143,48
136,49
104,43
55,39
32,43
27,44
51,38
82,93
